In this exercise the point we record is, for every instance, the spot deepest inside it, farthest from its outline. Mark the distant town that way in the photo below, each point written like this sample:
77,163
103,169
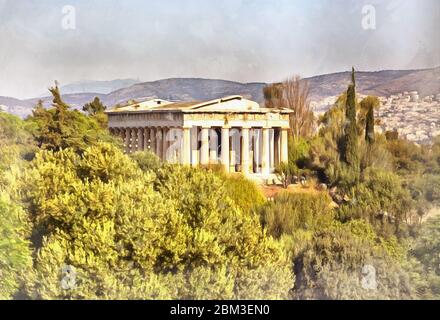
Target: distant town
415,118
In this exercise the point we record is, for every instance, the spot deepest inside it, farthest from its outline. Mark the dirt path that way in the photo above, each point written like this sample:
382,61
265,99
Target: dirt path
431,213
271,190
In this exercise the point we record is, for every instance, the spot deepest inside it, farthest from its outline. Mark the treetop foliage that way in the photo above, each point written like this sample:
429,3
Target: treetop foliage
80,219
60,127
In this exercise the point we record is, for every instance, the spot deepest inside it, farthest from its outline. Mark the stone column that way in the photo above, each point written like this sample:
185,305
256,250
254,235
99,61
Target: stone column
165,143
140,139
225,148
256,147
284,145
186,148
146,138
204,152
159,142
265,156
178,143
251,150
132,139
127,139
194,147
213,146
234,157
245,150
276,147
153,140
271,150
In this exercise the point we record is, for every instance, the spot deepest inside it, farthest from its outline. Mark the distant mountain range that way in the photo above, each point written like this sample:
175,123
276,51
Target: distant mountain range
97,86
380,83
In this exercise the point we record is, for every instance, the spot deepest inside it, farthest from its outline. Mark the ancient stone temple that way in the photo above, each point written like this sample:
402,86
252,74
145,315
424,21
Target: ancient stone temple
233,132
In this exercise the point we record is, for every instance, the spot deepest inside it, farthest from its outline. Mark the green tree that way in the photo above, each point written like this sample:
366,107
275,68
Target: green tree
94,107
426,250
147,160
350,150
381,199
15,228
15,251
299,158
243,192
332,265
290,212
60,128
284,173
15,141
369,104
184,238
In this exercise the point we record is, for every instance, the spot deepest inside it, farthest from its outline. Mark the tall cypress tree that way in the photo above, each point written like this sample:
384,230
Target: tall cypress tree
369,104
369,126
350,152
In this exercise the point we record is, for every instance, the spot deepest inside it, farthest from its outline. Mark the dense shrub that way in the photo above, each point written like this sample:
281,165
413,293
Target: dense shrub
15,252
147,160
380,199
299,149
60,127
348,261
407,156
426,250
98,213
290,212
130,227
244,192
15,141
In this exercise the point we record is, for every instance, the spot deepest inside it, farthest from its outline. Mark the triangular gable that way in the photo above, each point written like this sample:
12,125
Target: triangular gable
231,103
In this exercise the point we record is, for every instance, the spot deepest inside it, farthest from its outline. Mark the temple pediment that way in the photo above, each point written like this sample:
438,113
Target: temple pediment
229,104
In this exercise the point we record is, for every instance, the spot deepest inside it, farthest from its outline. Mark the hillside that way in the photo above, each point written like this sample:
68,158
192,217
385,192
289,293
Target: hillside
381,83
97,86
186,89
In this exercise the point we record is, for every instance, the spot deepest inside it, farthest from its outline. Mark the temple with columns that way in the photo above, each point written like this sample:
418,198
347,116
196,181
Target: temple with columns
233,132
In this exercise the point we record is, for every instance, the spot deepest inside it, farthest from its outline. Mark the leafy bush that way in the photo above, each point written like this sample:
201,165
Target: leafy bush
15,252
376,155
60,128
299,149
381,199
331,266
243,192
15,140
146,160
425,189
290,212
408,157
426,250
98,213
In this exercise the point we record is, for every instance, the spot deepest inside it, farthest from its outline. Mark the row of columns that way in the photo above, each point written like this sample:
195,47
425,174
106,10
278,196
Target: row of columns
182,145
278,154
155,139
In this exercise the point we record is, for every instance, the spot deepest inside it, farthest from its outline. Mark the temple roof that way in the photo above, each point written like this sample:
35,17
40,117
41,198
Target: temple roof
227,104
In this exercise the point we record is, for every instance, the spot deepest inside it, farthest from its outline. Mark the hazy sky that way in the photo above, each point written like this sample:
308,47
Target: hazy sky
244,40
